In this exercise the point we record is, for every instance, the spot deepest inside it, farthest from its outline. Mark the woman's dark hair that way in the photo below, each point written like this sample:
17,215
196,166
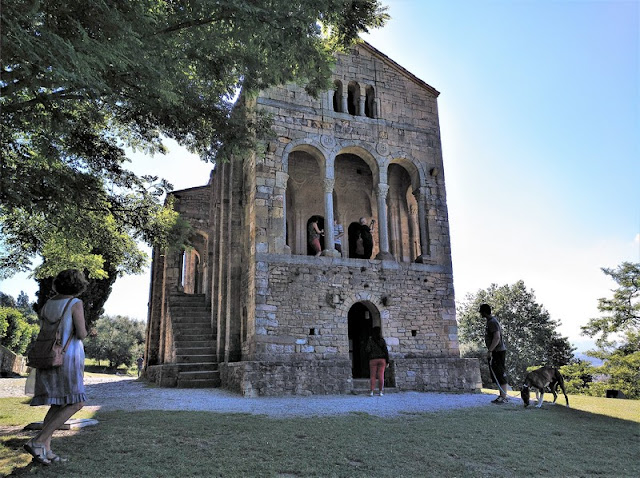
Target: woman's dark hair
70,282
376,333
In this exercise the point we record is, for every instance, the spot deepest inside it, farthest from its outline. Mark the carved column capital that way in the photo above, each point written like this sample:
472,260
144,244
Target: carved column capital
328,184
383,190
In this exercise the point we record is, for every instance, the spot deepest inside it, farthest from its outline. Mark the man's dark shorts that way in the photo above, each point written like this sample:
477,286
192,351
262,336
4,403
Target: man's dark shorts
498,366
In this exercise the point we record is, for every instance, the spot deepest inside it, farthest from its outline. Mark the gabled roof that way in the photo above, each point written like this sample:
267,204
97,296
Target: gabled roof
393,64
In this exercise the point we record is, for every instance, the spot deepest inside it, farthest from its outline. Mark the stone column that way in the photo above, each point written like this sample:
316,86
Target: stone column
281,185
329,249
383,227
361,103
345,101
421,198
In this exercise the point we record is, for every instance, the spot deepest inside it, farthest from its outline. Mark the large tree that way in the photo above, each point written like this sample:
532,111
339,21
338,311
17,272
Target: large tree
618,331
621,313
119,339
83,81
530,333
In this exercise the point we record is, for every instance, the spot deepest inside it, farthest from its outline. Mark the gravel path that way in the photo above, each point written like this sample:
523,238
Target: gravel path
126,393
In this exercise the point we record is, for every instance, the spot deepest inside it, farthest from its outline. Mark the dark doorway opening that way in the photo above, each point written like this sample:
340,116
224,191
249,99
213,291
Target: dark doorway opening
310,251
360,323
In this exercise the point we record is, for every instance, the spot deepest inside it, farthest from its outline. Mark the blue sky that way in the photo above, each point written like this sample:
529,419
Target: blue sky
540,125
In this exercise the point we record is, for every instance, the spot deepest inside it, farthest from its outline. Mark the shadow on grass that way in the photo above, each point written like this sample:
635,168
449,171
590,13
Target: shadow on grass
492,440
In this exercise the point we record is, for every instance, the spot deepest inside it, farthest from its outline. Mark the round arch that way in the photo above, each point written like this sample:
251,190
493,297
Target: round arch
415,173
309,146
362,317
367,156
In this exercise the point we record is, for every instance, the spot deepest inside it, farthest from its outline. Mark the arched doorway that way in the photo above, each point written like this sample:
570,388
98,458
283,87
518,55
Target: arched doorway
361,319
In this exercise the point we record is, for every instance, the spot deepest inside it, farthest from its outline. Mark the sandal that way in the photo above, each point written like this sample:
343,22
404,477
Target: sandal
38,452
55,458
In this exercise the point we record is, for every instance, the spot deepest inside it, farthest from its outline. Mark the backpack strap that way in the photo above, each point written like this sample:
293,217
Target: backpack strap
66,345
64,311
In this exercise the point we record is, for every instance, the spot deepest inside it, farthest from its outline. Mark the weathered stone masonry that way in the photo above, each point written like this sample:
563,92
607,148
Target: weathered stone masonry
284,322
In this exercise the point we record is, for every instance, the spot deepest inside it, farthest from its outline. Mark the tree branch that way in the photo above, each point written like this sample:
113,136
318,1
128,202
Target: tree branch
44,99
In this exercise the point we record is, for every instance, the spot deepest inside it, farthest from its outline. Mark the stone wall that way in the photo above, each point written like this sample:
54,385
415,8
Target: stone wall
442,374
11,363
303,295
302,377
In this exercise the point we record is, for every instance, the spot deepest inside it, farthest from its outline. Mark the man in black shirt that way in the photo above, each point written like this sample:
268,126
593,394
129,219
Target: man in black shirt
496,352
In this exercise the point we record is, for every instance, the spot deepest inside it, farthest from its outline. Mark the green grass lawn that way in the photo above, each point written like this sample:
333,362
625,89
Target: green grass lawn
596,436
93,366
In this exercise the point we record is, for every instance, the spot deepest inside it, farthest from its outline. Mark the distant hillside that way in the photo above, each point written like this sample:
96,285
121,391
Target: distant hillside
594,361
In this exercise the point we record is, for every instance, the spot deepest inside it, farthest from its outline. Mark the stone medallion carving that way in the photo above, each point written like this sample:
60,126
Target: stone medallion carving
382,148
327,141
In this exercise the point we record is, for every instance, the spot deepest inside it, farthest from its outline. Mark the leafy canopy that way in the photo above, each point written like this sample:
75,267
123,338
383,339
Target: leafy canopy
621,313
83,81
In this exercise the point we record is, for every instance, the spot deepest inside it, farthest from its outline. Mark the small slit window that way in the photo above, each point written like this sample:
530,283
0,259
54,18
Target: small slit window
337,96
353,98
370,103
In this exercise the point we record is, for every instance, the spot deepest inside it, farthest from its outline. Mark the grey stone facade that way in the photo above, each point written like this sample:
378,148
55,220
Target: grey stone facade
285,322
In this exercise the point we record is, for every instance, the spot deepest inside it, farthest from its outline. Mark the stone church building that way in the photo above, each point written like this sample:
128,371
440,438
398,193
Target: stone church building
250,308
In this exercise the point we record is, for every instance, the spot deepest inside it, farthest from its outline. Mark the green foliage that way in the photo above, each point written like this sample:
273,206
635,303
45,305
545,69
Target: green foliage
529,332
621,318
578,376
119,340
16,333
7,301
621,364
83,81
622,312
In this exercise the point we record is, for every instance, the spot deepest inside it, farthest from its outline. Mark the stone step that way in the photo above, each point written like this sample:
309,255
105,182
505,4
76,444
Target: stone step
203,358
191,312
187,297
192,329
191,321
207,350
198,383
200,375
360,386
198,367
196,341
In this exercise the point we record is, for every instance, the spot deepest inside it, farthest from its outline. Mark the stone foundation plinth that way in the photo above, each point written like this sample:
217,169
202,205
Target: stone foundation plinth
443,374
311,377
165,375
319,377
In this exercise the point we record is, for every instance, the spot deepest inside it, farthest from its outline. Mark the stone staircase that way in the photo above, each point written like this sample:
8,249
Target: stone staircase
195,341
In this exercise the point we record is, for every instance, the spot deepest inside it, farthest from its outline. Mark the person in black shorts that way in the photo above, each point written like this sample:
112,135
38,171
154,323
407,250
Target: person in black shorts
496,352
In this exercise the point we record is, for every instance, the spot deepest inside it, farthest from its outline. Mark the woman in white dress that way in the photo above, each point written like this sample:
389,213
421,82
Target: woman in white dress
61,388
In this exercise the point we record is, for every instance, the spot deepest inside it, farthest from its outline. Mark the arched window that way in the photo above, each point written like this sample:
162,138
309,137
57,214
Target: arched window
337,96
370,103
353,98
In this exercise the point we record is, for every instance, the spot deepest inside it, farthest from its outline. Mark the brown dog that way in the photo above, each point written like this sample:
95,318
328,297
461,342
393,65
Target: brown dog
540,379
